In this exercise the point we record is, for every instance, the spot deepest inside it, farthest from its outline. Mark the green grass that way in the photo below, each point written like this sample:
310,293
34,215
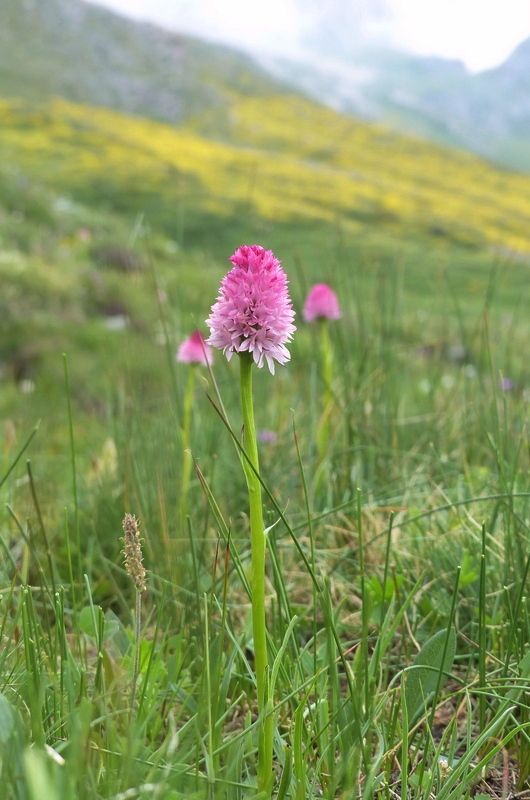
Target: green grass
398,501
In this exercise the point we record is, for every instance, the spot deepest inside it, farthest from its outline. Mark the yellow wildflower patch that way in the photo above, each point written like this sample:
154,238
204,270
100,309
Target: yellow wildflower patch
284,158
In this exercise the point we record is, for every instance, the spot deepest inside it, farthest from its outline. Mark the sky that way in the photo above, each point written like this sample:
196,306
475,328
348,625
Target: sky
482,33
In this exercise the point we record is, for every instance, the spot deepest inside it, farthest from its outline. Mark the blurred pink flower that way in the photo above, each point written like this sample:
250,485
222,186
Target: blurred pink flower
253,311
195,350
267,437
84,235
321,303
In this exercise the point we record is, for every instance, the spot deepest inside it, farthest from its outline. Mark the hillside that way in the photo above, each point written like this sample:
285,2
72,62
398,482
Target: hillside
85,53
283,159
88,54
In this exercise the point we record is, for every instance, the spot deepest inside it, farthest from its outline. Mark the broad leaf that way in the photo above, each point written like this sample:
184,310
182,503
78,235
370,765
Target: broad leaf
422,679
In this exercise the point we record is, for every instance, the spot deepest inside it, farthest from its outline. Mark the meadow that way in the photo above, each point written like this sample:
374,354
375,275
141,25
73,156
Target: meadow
394,473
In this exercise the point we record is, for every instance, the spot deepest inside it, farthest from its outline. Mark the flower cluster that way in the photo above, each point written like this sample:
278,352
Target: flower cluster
253,312
132,550
194,350
321,303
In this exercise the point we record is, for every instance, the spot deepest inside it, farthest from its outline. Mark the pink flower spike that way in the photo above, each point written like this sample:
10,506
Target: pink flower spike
195,350
253,312
321,303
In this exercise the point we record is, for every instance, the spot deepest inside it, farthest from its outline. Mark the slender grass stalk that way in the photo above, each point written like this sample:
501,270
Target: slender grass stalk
19,455
258,545
379,647
195,569
42,527
299,763
482,632
311,534
219,677
326,353
167,333
72,581
137,643
439,679
364,610
515,617
209,757
187,459
286,774
74,468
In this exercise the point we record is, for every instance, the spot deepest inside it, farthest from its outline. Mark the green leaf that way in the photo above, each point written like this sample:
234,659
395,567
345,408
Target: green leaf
422,679
12,743
115,632
414,780
469,572
86,620
524,665
8,720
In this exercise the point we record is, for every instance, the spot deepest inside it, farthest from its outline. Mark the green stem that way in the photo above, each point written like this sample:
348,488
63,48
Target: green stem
74,470
258,547
137,643
186,455
327,359
327,375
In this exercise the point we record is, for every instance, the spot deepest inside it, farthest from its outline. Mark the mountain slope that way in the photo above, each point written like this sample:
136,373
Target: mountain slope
88,54
488,113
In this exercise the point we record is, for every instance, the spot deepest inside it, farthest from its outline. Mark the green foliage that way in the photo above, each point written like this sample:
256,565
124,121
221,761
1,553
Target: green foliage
429,670
12,742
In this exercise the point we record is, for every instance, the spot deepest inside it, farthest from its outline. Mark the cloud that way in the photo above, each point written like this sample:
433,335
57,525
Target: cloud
480,33
274,24
477,32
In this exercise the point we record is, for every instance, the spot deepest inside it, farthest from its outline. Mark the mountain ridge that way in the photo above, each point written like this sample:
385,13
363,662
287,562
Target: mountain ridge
487,112
86,53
